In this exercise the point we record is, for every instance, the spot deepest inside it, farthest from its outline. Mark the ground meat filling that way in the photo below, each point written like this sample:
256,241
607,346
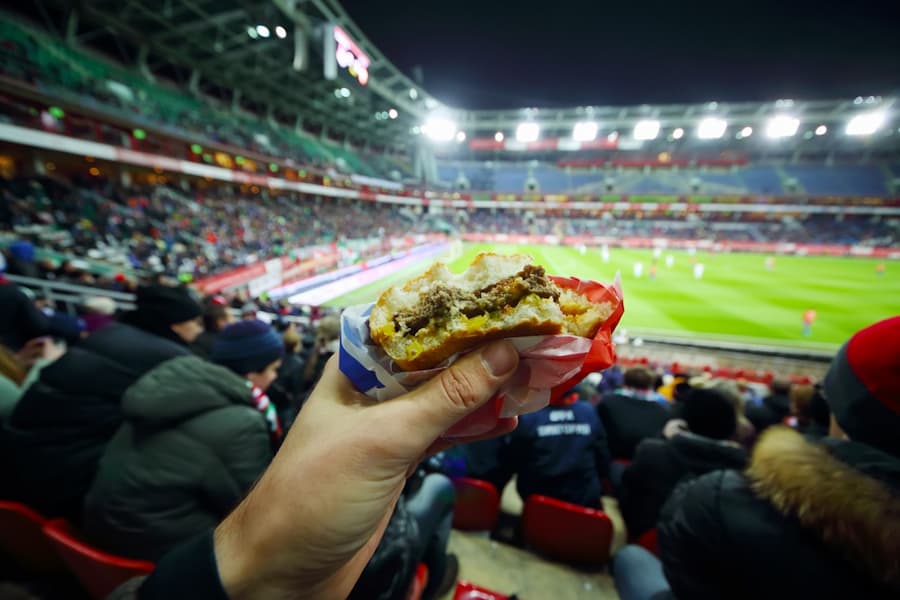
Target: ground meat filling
440,302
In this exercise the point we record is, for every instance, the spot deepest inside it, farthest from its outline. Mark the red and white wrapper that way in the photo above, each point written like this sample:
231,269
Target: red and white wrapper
549,365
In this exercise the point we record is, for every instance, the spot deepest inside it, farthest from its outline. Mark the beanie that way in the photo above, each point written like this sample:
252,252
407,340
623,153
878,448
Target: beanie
247,347
862,386
709,413
160,306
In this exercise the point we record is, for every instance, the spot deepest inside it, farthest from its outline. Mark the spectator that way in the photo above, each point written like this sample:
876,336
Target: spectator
97,312
485,460
288,388
216,317
810,411
194,440
632,414
774,407
167,312
659,465
21,320
745,434
560,451
805,520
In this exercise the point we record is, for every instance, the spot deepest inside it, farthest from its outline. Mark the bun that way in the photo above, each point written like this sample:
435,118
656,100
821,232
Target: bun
430,318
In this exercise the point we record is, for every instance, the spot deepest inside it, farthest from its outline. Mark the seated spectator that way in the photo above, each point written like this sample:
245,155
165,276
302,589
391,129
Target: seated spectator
97,312
216,317
19,371
559,451
194,440
632,414
21,320
745,434
806,520
162,326
773,408
418,532
288,388
809,411
659,465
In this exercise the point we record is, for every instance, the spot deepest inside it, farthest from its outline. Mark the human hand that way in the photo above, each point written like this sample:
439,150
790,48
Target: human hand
313,520
42,348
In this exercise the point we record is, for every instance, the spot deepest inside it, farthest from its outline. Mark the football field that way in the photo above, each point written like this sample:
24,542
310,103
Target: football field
737,298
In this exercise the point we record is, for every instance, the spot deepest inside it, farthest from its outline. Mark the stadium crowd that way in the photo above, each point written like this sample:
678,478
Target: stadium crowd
196,399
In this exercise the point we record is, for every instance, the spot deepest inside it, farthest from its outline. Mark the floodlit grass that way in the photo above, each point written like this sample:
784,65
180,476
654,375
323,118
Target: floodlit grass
737,298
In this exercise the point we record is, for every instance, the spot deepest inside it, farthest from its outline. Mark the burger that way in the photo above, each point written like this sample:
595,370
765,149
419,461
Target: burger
428,319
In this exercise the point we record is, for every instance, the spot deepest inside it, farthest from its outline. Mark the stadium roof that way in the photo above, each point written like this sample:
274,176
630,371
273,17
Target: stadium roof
248,50
238,45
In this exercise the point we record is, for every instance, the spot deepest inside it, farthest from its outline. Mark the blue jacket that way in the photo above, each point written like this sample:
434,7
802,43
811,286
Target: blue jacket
560,451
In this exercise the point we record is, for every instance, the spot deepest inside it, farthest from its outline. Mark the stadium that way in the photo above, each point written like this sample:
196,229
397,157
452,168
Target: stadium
195,191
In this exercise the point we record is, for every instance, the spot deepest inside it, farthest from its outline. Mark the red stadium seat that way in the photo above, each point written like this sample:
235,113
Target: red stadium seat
648,540
477,505
418,583
470,591
100,573
567,532
22,538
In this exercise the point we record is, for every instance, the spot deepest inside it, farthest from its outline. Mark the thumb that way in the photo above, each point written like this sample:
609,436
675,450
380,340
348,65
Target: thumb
457,392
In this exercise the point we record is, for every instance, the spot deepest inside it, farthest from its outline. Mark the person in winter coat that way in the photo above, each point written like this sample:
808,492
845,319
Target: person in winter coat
195,438
632,414
806,519
559,451
660,464
216,317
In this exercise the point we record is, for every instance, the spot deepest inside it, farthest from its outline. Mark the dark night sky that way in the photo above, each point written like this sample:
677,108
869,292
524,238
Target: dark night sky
515,53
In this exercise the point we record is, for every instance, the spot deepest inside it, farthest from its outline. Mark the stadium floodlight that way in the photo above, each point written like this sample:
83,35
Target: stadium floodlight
865,123
821,130
439,129
528,131
613,136
746,132
498,137
782,126
678,133
460,136
393,113
585,131
413,93
646,130
262,30
711,128
281,32
251,31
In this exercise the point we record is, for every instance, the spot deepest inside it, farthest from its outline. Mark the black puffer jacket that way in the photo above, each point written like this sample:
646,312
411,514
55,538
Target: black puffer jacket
659,465
628,421
55,436
805,521
191,446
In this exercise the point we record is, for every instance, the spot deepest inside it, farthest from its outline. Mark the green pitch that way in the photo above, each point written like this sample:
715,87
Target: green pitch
737,298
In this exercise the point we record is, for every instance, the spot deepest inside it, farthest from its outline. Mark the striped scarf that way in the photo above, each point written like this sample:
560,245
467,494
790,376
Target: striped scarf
264,405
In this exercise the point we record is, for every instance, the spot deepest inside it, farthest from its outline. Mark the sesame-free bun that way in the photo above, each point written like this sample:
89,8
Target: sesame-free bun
454,313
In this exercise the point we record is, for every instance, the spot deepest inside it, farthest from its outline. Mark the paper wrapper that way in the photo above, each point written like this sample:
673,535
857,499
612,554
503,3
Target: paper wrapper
549,365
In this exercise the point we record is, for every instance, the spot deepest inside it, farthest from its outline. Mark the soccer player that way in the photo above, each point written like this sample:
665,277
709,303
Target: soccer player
809,317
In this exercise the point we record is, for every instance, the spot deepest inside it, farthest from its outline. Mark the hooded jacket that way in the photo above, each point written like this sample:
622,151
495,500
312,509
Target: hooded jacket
805,520
191,446
658,467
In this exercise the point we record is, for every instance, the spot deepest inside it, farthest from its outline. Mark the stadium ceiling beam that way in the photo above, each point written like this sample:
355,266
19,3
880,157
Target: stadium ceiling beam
209,22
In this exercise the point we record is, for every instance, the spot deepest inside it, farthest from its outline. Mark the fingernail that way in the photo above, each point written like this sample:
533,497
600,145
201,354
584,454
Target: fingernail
500,358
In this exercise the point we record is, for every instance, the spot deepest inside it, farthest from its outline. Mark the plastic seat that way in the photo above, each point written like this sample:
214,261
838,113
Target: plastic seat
418,584
469,591
567,532
477,505
99,572
22,538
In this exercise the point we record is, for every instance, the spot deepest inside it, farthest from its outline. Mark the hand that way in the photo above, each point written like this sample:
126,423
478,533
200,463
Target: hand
42,348
315,517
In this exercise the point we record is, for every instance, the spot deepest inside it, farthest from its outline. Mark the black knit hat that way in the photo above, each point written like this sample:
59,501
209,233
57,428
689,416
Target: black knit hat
709,413
247,347
161,306
862,386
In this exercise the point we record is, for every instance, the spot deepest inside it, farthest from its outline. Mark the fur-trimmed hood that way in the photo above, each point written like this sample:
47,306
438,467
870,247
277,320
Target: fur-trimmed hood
855,513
